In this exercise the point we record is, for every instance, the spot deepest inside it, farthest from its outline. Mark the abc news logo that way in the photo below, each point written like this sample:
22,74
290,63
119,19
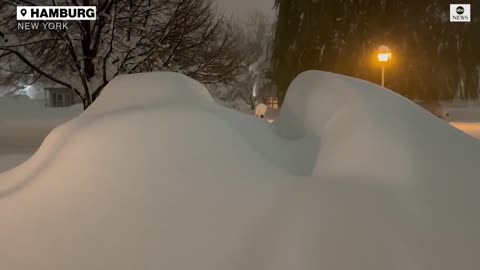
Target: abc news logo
460,13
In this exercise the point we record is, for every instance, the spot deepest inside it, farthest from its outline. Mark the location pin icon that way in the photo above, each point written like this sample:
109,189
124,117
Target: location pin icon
23,12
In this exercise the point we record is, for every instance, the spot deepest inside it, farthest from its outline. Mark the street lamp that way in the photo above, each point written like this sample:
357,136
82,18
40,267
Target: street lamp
384,55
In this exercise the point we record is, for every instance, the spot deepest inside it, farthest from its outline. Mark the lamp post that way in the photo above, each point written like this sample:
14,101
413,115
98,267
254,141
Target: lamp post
384,55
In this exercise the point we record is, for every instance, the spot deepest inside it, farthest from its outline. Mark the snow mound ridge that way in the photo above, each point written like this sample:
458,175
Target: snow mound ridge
364,129
157,176
153,88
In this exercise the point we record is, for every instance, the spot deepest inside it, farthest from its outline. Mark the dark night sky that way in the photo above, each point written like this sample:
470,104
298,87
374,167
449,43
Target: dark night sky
241,7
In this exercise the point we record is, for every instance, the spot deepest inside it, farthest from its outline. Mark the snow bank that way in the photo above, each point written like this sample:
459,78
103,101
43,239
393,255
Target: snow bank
25,122
471,128
365,129
464,113
18,108
155,175
465,116
10,160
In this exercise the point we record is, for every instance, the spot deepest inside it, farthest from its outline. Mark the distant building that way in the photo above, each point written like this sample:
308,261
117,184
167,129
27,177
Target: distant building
269,90
59,97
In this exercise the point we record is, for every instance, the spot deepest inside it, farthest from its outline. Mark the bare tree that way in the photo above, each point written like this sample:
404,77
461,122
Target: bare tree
129,36
246,91
257,34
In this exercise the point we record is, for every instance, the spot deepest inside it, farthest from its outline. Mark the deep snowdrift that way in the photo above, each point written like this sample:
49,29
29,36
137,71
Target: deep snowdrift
365,129
471,128
25,123
155,175
464,112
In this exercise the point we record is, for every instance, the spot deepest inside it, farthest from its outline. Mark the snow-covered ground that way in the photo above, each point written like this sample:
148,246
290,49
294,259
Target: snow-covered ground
24,123
465,117
349,176
471,128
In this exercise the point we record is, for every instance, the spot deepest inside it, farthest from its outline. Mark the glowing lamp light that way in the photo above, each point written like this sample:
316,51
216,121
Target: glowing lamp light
384,55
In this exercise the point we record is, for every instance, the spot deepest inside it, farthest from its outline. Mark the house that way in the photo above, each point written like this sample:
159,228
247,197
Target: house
59,97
